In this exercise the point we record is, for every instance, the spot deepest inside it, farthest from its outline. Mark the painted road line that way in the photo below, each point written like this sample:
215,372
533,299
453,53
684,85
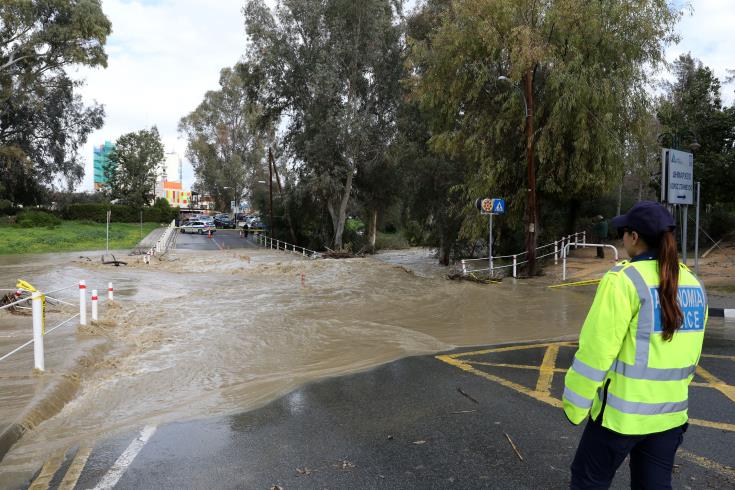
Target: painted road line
713,425
125,459
546,370
722,387
517,366
48,471
716,356
75,469
510,348
708,464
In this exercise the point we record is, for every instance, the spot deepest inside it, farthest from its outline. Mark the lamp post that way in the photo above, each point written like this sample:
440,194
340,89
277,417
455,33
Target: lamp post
531,190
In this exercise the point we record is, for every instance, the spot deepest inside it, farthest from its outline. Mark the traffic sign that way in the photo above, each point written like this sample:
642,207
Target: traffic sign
678,177
498,206
490,206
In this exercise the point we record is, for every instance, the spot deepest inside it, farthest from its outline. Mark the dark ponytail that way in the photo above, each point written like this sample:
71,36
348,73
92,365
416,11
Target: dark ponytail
668,270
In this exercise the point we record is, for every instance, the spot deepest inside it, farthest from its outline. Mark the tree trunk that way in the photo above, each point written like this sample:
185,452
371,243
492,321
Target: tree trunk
285,204
445,246
373,229
339,225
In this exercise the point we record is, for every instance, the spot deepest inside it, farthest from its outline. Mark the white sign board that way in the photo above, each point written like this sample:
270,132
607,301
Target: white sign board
677,186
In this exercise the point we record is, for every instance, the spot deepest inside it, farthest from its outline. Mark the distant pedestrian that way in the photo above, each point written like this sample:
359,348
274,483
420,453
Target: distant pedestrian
245,229
638,350
599,234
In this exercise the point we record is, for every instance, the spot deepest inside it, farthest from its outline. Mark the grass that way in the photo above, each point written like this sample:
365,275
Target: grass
391,241
69,236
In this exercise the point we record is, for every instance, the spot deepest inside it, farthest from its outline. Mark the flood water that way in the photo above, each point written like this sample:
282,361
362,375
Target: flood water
210,333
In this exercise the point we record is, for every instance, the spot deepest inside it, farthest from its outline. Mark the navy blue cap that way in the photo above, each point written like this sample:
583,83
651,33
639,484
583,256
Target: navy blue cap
648,218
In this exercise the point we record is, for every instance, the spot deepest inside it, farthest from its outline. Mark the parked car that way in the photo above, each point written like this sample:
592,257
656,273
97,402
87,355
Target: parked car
224,222
197,226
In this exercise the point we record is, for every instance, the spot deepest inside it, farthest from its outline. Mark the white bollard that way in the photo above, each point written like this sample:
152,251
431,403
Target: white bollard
109,291
584,238
37,306
82,303
94,305
515,262
556,252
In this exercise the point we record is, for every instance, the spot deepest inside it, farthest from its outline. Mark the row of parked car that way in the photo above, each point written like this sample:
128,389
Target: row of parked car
205,224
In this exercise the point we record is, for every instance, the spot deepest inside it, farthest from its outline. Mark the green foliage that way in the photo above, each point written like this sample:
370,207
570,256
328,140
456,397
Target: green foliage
120,213
131,173
226,137
587,65
43,121
720,222
354,224
334,68
691,110
37,218
390,241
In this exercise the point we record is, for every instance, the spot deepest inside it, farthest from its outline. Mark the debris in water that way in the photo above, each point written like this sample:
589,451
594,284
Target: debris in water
305,471
390,438
276,487
464,411
419,442
344,464
468,396
513,446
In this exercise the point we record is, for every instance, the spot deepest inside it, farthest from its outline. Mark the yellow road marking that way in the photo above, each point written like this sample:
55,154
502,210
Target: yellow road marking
707,463
716,356
588,282
48,471
517,366
75,469
508,384
510,348
546,370
724,388
713,425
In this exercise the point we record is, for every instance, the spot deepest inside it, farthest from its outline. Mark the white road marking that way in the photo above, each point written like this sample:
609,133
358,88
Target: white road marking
125,459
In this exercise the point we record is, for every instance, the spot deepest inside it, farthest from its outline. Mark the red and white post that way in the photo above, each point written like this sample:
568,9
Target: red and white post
94,305
82,303
109,291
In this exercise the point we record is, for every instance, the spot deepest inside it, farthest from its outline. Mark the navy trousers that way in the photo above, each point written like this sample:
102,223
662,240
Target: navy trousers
601,451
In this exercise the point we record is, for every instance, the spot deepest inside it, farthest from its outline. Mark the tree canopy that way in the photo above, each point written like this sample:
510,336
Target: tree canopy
133,166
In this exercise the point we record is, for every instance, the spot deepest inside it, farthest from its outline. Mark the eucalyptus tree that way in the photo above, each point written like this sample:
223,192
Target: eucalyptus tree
43,122
588,64
226,136
332,69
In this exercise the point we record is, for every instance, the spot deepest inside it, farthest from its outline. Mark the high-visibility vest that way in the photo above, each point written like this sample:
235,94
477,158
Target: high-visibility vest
623,367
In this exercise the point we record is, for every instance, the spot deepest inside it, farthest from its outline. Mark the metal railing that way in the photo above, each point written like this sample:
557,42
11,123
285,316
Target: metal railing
38,300
268,242
576,239
163,244
566,252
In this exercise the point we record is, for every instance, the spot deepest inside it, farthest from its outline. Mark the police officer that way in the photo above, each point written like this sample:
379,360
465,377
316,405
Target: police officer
638,350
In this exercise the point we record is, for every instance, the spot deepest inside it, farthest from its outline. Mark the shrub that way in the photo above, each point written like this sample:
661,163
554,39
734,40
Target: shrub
120,213
36,218
721,222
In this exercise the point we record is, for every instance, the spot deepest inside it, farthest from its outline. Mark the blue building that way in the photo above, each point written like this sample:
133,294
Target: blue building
101,159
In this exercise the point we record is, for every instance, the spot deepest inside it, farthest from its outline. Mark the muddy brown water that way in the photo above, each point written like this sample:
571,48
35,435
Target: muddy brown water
211,333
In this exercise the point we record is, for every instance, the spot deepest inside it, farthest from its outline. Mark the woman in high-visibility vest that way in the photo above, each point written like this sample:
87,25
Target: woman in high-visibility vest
638,350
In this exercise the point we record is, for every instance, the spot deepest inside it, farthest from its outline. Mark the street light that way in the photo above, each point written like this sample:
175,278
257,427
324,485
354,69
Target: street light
531,231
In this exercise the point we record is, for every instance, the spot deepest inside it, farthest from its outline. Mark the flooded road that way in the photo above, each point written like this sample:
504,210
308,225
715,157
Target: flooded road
217,332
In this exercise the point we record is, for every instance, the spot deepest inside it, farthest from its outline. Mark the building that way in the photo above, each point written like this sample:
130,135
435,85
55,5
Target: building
172,168
101,158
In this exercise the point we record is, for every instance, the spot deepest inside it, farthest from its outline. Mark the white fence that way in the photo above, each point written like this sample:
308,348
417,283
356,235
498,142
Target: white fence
470,266
268,242
38,299
163,244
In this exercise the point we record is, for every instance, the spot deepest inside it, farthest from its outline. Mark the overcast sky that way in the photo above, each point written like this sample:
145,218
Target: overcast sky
165,54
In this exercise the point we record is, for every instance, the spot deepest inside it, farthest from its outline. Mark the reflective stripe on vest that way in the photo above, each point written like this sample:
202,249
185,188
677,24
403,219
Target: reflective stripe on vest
641,408
597,375
577,399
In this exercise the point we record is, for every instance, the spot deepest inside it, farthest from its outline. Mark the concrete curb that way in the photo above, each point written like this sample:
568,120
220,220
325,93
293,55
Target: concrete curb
722,312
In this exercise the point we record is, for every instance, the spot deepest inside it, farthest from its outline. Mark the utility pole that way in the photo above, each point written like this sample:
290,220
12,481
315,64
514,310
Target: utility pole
270,190
531,236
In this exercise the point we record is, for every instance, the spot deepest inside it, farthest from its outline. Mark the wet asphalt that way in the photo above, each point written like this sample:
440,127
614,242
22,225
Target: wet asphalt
221,239
406,425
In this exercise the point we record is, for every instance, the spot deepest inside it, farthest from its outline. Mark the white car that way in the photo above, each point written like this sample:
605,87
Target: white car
200,227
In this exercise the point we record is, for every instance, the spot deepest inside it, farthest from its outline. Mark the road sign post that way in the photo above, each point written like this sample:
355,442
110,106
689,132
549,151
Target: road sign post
677,187
490,207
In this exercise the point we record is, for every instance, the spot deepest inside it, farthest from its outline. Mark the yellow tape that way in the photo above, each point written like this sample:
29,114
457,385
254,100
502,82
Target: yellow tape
27,286
588,282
